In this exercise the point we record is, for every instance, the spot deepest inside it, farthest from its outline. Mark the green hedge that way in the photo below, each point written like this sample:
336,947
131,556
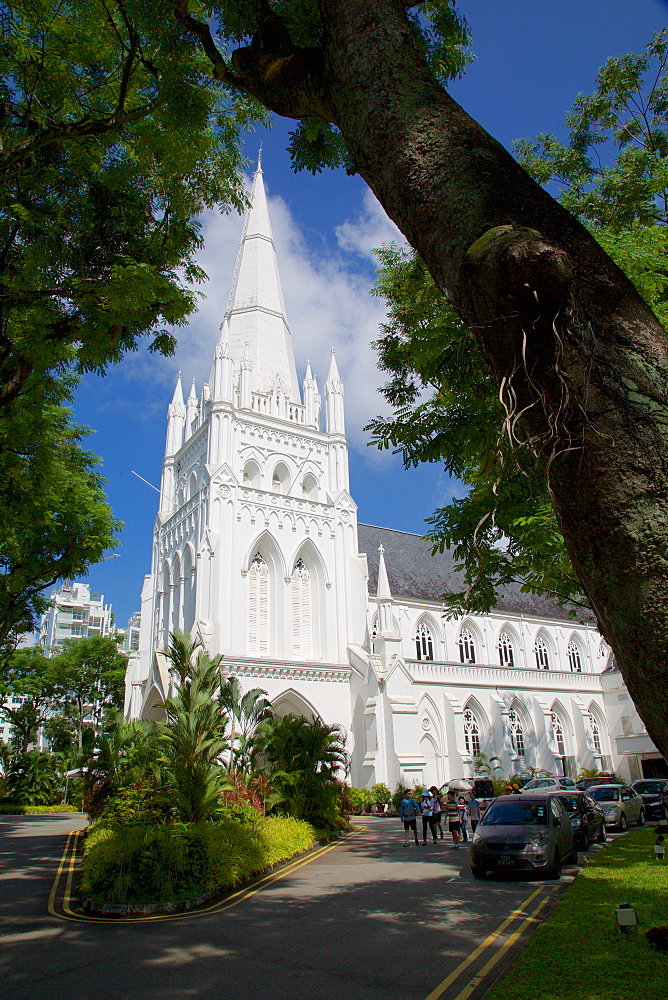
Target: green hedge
15,809
177,861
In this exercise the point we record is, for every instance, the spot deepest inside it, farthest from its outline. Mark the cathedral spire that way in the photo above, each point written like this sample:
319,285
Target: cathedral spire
334,399
255,313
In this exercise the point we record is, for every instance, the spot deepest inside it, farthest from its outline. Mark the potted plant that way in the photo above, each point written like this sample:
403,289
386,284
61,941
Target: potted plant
380,796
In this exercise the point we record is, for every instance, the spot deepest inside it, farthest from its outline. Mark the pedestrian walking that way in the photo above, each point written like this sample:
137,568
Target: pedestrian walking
408,813
427,807
452,816
463,816
436,812
473,809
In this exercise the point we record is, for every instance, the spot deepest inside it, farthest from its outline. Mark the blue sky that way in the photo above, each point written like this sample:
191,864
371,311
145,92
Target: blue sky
532,59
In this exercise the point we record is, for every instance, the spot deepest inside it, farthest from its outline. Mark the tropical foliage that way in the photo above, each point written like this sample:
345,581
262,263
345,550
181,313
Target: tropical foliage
446,407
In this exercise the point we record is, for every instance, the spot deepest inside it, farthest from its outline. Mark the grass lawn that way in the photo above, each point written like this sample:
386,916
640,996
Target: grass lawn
579,954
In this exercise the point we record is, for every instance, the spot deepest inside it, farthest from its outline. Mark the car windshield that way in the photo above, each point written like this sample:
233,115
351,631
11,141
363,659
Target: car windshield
567,781
647,787
569,802
605,794
515,812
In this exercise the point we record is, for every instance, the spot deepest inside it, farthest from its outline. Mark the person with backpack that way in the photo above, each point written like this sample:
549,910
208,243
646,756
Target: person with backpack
408,813
429,805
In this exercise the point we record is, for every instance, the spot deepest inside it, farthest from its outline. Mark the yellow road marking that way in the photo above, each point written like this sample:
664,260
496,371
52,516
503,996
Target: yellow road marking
54,887
490,939
218,907
508,943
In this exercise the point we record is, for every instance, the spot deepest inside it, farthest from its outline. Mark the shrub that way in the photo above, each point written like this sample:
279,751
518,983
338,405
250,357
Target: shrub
380,794
177,861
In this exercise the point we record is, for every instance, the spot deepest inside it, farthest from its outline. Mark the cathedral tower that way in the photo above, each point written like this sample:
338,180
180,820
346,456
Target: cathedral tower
255,545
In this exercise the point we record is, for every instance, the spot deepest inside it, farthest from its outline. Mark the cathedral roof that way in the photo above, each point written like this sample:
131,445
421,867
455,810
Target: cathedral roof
416,574
255,314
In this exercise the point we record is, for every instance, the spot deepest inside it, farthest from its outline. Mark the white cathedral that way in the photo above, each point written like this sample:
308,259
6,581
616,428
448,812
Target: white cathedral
257,551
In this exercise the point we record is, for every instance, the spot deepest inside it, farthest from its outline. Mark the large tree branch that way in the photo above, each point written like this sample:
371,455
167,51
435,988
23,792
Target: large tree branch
285,78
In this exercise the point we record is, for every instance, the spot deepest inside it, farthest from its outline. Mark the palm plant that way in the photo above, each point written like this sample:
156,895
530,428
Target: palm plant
303,758
246,712
181,651
193,741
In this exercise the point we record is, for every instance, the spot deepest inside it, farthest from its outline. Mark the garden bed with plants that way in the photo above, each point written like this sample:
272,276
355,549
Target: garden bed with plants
18,809
178,866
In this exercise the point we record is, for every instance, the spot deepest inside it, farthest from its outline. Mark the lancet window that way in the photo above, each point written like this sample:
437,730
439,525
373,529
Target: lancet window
424,643
471,733
516,733
595,733
258,606
558,732
574,661
302,613
541,653
506,654
466,646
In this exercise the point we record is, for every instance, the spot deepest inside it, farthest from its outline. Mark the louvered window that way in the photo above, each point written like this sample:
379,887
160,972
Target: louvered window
471,733
424,643
516,733
258,607
558,731
541,653
466,646
595,734
302,632
506,656
574,661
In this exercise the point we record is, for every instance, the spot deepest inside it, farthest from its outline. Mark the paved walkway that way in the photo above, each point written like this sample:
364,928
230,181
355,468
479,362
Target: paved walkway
368,920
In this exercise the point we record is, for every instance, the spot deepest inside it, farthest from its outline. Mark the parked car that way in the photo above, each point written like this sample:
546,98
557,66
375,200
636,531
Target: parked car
586,817
547,784
600,779
654,793
530,832
620,805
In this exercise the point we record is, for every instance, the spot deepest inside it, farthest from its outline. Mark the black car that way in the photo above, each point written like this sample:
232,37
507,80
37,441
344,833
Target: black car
586,817
654,793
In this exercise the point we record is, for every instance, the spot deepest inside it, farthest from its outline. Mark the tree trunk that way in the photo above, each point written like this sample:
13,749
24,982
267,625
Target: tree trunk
568,341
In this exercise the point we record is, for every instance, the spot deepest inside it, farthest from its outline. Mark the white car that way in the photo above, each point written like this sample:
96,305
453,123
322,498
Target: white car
548,785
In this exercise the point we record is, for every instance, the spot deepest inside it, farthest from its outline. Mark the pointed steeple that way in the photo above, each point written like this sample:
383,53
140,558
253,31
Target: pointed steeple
255,313
191,411
176,418
311,398
334,399
384,597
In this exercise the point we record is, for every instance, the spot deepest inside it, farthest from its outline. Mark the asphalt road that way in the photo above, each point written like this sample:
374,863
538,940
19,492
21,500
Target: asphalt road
368,920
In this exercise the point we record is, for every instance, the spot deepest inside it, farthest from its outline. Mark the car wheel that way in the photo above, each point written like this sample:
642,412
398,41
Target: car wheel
641,818
622,823
602,834
478,871
555,870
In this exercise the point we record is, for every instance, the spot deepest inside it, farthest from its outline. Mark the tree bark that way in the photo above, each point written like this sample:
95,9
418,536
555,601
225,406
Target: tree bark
569,342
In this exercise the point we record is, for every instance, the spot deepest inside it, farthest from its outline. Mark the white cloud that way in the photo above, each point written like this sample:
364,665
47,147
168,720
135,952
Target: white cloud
370,229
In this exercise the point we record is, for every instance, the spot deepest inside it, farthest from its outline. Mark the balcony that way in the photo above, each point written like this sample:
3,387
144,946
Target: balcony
492,675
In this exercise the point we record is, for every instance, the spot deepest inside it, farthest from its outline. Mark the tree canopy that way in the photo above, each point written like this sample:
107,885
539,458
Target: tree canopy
114,140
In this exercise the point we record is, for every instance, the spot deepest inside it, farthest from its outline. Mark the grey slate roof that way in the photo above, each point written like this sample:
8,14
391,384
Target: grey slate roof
415,574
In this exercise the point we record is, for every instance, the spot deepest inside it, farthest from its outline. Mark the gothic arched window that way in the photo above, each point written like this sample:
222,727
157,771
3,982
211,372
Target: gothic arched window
558,732
310,487
595,733
424,643
471,733
466,646
374,627
542,656
302,635
506,655
258,606
574,661
516,732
